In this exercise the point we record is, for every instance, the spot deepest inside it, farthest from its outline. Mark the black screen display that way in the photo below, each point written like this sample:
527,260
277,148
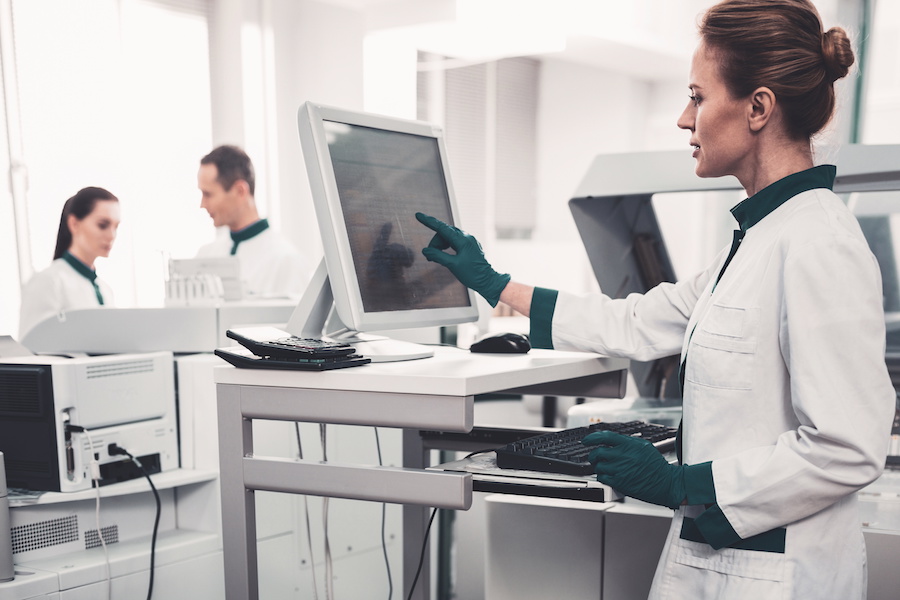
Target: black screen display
383,179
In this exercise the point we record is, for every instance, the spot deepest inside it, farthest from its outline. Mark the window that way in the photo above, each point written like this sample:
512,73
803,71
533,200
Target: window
115,94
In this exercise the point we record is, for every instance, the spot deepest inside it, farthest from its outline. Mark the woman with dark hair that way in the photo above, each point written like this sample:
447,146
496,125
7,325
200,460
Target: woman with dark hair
87,230
787,403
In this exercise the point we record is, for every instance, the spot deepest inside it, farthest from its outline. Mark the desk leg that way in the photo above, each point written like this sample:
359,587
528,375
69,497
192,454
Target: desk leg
415,521
238,503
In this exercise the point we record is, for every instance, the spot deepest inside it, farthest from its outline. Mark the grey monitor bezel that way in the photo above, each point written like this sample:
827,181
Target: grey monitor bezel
345,288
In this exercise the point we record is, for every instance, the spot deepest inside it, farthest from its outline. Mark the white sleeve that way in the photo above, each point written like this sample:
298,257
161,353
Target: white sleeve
41,298
640,326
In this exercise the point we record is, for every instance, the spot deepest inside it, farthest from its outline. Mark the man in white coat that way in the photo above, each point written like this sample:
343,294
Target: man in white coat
271,266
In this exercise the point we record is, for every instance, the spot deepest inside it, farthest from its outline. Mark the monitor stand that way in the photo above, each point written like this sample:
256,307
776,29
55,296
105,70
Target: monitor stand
316,317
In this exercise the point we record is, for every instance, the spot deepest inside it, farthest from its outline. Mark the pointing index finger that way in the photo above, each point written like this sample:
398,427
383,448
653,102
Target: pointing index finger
446,236
437,225
429,221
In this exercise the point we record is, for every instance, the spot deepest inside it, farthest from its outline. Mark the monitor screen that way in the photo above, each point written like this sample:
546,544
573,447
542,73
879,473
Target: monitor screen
369,175
383,177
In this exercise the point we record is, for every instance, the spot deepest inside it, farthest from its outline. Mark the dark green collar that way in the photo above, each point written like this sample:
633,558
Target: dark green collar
83,270
250,231
752,210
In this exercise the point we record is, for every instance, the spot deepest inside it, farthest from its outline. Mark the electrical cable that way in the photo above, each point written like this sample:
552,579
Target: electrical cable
95,483
115,449
387,563
329,574
329,592
422,555
477,452
312,561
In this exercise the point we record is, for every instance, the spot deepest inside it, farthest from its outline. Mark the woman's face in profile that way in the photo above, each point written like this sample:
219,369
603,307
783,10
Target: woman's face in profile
717,121
94,235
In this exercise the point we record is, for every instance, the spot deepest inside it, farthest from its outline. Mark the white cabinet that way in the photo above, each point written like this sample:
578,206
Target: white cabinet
58,555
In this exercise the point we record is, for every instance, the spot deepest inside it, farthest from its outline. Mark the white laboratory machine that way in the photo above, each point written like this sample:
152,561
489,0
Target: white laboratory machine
58,414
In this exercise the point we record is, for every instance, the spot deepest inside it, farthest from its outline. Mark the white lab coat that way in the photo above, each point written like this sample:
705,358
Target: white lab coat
271,267
786,392
55,290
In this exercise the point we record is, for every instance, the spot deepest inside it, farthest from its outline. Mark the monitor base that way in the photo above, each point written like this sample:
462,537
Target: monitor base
385,349
316,317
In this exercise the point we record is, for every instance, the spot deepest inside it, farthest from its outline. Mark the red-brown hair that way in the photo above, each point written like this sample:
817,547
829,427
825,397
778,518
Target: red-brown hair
780,44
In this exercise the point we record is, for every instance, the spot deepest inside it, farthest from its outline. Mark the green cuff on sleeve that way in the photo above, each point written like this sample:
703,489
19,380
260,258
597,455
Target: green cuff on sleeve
543,304
698,484
715,528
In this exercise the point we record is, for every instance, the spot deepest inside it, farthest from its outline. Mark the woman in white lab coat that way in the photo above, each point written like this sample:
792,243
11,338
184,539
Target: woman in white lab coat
787,401
87,230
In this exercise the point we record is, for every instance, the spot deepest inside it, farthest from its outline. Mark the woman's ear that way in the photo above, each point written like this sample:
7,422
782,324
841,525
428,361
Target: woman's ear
72,224
762,106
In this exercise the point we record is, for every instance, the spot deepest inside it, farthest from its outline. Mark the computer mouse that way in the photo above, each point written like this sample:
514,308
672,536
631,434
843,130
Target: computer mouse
505,343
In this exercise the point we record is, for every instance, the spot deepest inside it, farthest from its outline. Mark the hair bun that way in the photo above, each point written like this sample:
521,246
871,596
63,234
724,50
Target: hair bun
837,53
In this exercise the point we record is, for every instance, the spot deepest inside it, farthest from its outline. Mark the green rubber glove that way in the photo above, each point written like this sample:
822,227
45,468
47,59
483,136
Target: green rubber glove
468,264
635,468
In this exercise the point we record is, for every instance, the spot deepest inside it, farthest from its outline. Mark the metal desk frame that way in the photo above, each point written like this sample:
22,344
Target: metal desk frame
430,394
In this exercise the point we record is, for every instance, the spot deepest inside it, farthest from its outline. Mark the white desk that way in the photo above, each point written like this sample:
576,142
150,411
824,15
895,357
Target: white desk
432,394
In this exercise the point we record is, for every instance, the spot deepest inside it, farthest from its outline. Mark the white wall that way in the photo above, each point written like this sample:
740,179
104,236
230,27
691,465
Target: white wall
582,112
585,111
318,54
268,57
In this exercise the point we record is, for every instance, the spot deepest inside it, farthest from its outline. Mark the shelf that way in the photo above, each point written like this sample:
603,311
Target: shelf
169,479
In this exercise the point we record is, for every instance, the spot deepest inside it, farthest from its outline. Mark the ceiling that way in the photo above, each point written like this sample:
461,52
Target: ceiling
634,37
651,38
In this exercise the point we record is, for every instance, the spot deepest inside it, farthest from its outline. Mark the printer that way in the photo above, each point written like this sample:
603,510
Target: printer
59,414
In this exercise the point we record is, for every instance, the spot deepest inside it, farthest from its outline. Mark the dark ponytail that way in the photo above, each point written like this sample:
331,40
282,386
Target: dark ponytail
81,205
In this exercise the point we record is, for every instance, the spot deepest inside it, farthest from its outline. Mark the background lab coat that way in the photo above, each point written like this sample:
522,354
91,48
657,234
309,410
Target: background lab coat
270,265
786,391
56,289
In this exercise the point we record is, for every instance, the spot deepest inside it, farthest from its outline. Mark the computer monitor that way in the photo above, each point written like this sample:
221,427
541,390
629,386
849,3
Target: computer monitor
369,175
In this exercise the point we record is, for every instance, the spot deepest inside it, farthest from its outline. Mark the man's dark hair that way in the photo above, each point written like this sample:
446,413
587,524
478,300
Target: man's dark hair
232,164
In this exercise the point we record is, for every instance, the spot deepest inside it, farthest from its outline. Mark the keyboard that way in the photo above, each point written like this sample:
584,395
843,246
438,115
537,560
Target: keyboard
270,342
270,348
241,357
562,451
